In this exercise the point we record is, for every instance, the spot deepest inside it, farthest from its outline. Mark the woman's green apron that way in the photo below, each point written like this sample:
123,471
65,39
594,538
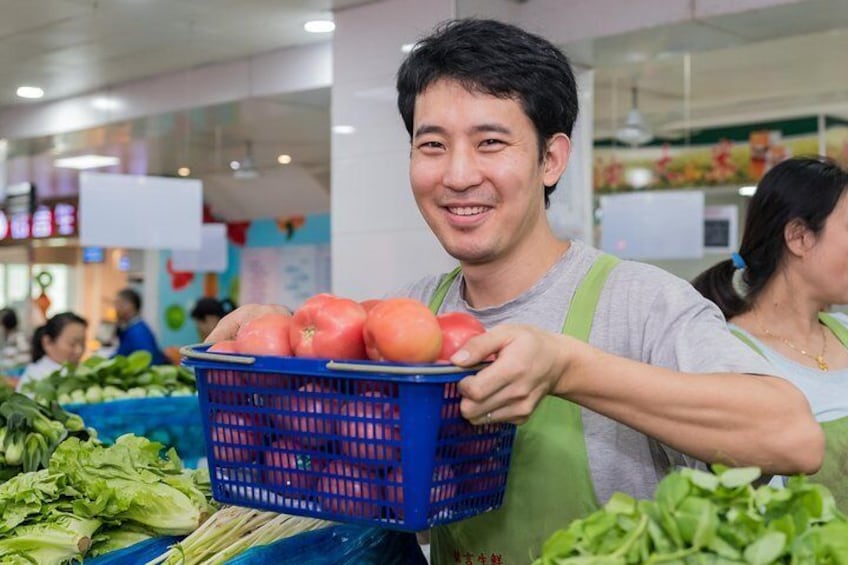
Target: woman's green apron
834,470
549,483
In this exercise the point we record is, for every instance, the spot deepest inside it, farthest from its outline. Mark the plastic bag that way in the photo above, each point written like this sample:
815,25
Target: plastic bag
338,545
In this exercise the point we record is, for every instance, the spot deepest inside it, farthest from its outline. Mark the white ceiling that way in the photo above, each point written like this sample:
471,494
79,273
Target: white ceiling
771,63
70,47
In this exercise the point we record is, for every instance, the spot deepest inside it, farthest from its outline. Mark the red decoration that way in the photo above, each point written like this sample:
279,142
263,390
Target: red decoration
179,279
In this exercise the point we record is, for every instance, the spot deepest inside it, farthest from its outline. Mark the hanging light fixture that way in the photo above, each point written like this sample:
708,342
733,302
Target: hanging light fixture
246,168
635,130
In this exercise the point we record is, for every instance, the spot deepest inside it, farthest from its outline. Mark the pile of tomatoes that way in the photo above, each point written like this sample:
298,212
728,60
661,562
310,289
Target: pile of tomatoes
330,327
339,441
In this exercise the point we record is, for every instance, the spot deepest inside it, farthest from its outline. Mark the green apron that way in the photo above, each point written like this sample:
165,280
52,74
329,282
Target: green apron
834,470
549,483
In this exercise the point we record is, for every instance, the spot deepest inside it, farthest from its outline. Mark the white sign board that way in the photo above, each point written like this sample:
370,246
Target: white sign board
212,257
653,225
140,212
286,275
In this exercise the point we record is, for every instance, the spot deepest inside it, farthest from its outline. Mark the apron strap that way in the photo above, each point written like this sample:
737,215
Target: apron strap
834,325
747,341
442,289
581,311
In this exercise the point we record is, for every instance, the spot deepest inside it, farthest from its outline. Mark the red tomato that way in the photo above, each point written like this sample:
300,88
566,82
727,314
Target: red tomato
444,487
224,387
350,490
402,330
370,303
457,328
289,466
226,346
329,327
307,412
234,438
266,335
367,425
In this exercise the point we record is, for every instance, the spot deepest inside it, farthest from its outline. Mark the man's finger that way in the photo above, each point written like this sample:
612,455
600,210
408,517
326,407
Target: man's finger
229,325
478,348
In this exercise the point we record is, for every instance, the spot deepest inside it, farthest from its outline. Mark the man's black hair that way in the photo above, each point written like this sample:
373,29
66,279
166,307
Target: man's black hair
496,59
132,297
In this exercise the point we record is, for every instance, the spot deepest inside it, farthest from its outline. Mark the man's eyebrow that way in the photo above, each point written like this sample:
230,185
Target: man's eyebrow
482,128
493,128
427,129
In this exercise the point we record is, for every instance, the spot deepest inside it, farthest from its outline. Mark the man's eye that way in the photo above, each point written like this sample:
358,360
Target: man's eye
491,142
430,145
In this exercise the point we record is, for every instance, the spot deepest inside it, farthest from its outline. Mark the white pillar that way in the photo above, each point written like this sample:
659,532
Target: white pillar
379,240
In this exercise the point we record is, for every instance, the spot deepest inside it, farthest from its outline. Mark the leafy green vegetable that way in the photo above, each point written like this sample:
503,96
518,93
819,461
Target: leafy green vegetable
129,481
99,380
699,517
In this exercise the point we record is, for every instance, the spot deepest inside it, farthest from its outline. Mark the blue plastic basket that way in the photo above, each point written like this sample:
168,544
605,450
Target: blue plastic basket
366,442
173,421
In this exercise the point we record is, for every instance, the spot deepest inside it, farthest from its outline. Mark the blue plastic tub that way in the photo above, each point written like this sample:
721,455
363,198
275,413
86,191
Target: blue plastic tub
174,421
366,442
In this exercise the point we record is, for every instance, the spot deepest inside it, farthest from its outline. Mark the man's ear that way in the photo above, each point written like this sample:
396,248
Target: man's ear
557,152
798,237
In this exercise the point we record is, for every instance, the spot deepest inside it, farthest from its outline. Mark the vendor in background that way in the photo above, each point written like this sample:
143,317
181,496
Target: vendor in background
617,371
58,342
775,292
14,349
208,312
133,333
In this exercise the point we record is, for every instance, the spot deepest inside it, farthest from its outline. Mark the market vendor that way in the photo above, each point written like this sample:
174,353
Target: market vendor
60,341
615,370
776,290
133,332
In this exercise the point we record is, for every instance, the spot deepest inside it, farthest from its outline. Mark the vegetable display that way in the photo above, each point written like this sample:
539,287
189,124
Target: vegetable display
698,517
99,380
92,499
233,530
29,433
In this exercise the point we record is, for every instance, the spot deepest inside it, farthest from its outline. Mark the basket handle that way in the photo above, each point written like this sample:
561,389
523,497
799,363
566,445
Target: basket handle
400,370
189,351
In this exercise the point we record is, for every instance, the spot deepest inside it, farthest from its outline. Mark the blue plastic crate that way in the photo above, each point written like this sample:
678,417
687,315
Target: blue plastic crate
174,421
366,442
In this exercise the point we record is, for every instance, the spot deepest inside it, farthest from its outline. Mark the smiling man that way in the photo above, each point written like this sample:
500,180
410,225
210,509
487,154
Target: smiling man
616,370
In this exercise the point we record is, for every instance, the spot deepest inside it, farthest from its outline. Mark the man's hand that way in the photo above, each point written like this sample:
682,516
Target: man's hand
528,365
229,325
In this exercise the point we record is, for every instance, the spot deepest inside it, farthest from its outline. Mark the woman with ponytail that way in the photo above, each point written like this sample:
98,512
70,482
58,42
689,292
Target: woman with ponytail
59,342
776,291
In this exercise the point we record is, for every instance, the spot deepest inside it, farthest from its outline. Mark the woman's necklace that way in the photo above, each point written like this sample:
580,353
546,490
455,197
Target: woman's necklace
819,359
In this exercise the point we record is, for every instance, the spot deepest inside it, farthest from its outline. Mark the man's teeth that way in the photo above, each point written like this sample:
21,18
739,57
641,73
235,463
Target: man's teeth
468,210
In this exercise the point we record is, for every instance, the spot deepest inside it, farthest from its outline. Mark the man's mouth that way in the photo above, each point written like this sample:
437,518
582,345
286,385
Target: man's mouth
467,210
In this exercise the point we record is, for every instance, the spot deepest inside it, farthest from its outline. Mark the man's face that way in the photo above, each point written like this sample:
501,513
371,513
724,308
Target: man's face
205,325
124,309
476,174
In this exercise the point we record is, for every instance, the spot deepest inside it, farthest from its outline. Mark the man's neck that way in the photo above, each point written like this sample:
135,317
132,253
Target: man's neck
498,282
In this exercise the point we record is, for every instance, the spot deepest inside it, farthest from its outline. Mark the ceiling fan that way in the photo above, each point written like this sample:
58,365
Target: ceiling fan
635,130
246,167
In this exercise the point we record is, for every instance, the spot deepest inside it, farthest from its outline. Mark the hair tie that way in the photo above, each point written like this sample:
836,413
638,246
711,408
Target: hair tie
738,261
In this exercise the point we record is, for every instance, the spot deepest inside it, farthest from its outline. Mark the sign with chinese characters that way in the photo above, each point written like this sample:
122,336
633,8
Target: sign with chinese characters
57,220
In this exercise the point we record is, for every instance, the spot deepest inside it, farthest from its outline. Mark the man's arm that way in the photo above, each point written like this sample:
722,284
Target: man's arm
737,419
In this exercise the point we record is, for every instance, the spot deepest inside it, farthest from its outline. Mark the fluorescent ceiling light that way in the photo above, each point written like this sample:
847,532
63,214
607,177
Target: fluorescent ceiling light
344,129
184,171
86,162
31,92
284,159
105,103
747,190
407,47
319,26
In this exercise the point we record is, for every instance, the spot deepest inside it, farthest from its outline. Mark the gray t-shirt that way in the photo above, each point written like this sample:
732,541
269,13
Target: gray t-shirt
645,314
